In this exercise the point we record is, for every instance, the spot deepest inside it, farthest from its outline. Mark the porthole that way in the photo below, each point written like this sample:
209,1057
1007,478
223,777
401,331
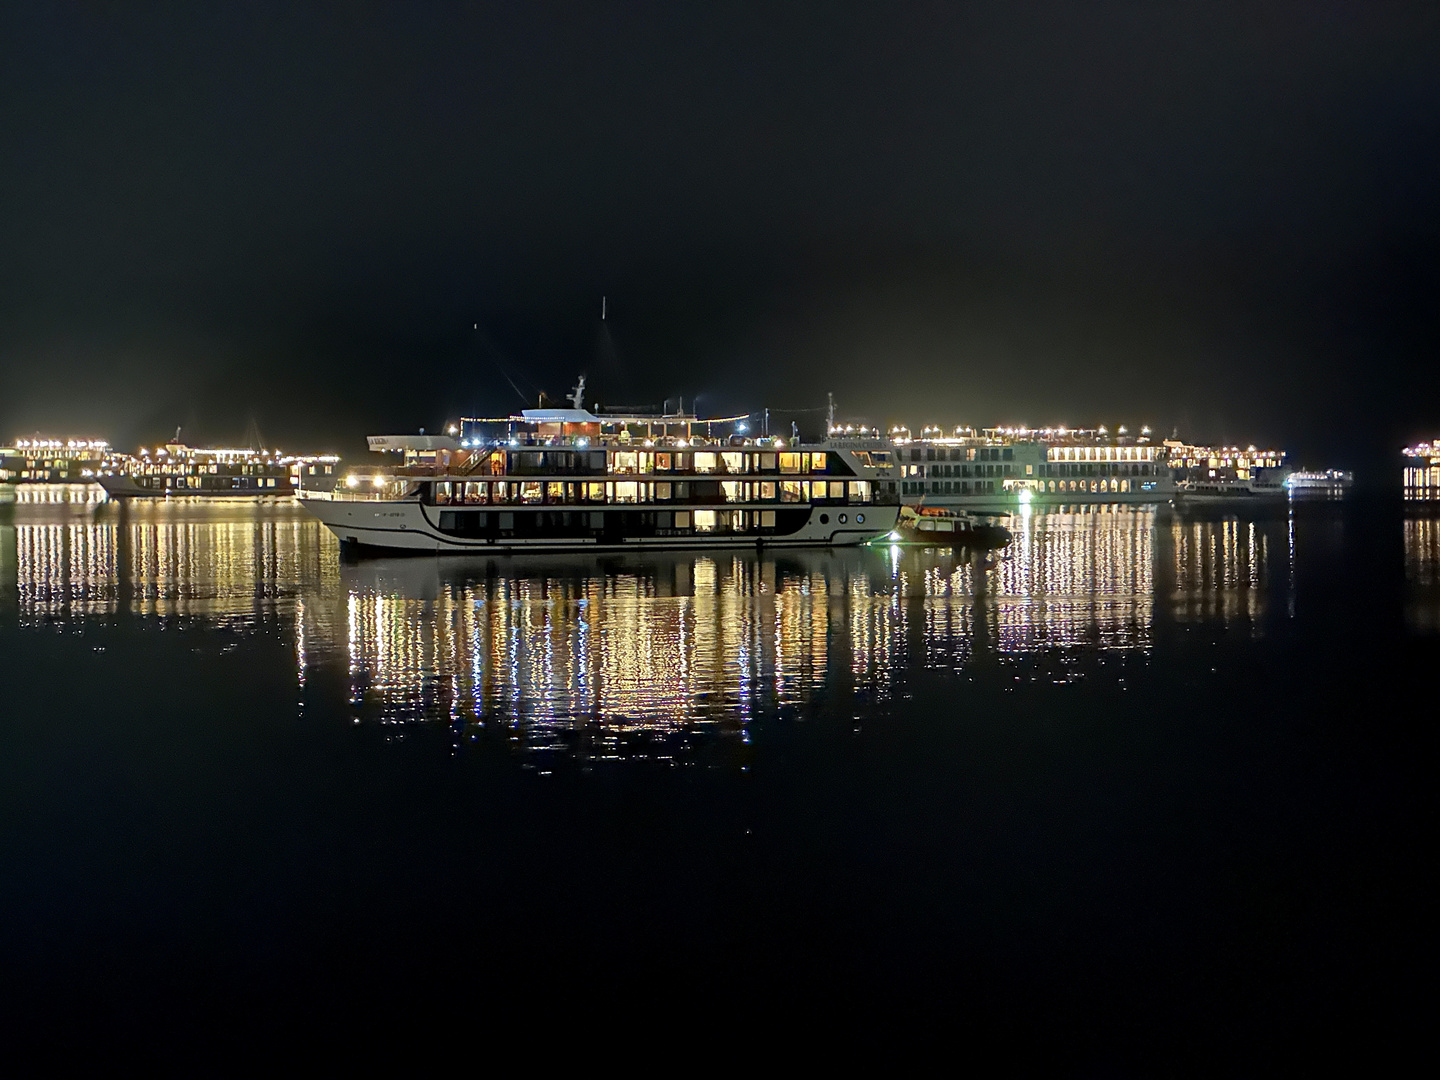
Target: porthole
859,519
824,519
842,519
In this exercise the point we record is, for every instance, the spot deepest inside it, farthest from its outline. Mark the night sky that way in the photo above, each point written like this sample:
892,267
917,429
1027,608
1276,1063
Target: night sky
335,219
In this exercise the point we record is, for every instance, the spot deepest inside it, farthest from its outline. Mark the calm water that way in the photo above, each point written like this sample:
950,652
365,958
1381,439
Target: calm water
1144,789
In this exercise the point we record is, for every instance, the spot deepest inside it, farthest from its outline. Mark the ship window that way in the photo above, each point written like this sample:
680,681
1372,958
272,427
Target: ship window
767,519
732,490
595,491
682,490
507,522
859,491
767,462
475,493
682,519
734,462
791,490
627,491
789,463
705,462
532,491
663,491
442,494
623,461
837,489
817,462
704,520
555,492
662,462
767,489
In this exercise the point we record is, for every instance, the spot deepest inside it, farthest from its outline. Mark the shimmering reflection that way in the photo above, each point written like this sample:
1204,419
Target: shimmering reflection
1422,572
230,564
590,653
1220,569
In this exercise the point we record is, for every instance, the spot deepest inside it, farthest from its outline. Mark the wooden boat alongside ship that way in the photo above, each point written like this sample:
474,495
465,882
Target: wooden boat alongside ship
943,526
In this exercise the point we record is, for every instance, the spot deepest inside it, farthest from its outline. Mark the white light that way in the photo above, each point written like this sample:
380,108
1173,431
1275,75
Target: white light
1025,496
453,429
740,427
582,443
379,481
352,481
894,536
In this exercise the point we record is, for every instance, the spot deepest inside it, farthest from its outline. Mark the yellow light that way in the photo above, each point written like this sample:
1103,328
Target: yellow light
379,481
352,481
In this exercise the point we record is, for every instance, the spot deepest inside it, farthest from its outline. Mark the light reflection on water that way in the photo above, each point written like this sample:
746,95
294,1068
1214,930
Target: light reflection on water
657,644
1422,572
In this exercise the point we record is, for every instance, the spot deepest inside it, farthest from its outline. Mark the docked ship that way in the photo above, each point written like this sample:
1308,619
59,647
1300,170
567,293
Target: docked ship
1006,467
58,461
558,479
179,470
1228,473
1422,472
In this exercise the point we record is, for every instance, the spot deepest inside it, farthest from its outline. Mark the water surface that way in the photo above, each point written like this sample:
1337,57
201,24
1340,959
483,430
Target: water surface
1141,781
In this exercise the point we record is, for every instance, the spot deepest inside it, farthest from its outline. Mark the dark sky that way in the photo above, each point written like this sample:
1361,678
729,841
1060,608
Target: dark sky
1218,217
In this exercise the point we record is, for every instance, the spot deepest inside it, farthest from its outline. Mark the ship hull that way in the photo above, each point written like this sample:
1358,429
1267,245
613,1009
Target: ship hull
365,526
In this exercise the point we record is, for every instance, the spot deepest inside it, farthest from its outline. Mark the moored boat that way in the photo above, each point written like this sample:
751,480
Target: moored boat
943,526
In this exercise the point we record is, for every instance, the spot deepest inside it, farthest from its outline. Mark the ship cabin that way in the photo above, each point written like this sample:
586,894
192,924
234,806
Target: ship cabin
573,472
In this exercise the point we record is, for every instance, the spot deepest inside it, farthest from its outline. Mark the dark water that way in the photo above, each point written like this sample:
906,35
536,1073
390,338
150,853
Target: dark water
1149,792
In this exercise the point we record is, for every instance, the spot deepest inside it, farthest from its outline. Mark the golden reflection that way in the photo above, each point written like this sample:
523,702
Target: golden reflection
569,648
1422,572
230,565
1219,569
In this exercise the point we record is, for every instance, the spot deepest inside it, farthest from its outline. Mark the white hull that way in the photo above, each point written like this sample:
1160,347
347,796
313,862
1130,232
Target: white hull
409,526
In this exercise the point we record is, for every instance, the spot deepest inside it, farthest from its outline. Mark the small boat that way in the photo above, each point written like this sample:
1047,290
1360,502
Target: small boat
941,525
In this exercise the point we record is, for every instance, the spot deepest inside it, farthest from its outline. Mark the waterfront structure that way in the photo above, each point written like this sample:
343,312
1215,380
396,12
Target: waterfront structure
179,470
1007,466
1422,472
571,479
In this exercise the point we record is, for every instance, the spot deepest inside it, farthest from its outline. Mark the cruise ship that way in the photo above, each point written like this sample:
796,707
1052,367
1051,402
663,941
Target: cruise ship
179,470
1004,467
1225,473
57,461
1422,472
568,479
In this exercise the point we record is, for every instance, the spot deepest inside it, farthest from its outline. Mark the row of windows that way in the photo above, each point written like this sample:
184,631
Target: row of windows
563,492
961,453
949,487
593,524
645,462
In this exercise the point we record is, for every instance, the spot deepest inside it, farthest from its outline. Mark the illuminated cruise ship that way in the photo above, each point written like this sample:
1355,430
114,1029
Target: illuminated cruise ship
179,470
1422,472
1003,467
569,479
58,461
